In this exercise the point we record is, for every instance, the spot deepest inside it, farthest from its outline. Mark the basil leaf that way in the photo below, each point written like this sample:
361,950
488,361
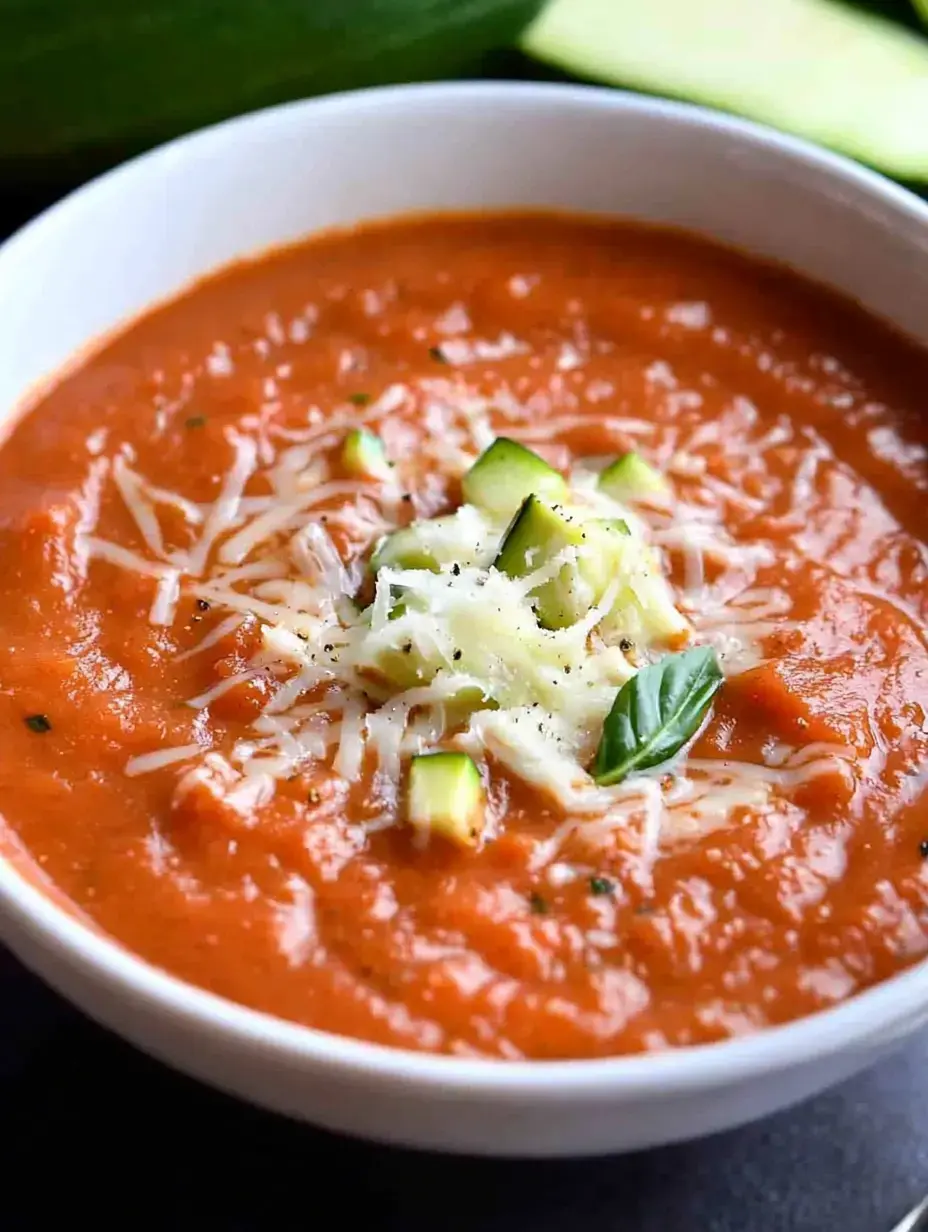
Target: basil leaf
656,712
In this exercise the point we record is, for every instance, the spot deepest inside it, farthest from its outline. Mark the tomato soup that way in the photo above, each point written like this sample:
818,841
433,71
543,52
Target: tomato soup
256,570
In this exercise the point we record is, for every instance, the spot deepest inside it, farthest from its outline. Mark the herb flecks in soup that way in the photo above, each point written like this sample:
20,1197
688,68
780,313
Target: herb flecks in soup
494,635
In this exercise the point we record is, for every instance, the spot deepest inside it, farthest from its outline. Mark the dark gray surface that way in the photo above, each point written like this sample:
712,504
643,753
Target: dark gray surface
850,1161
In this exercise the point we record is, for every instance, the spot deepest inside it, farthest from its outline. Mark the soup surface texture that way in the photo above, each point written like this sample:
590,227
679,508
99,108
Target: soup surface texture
209,698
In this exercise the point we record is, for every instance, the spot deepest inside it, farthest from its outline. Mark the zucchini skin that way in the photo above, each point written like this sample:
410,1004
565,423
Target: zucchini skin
87,83
796,65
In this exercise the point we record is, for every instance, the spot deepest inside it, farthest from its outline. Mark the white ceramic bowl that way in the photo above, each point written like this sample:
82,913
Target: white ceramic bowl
143,231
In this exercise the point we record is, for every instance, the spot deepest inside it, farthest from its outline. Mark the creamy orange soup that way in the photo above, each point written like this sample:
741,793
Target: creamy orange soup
202,751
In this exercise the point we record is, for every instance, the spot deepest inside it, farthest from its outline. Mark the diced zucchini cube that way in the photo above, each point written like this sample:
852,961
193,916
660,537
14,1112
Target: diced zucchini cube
506,473
445,796
363,454
629,479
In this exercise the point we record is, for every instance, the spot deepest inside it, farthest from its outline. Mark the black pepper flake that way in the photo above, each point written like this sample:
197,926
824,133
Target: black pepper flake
923,849
304,637
39,723
195,421
600,885
359,399
202,605
456,570
538,904
436,353
407,496
328,647
566,669
457,655
407,648
626,644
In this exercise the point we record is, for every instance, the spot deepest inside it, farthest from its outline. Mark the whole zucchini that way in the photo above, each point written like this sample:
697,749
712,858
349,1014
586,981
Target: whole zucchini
84,83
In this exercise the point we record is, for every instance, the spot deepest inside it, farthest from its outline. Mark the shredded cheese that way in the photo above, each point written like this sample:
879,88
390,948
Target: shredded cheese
145,763
463,662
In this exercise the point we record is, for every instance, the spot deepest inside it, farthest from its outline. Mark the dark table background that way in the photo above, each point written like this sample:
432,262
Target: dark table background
82,1112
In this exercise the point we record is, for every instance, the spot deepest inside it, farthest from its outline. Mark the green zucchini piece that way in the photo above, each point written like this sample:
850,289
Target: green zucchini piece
363,454
629,479
404,549
462,538
445,796
506,473
85,83
536,534
825,71
611,526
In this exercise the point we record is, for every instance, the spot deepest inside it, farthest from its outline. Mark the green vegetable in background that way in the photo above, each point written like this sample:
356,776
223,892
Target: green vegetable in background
84,83
656,712
826,71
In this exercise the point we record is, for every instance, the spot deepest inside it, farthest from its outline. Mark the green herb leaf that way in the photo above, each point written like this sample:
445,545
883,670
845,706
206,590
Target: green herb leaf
39,723
538,904
359,399
656,712
436,353
196,421
601,885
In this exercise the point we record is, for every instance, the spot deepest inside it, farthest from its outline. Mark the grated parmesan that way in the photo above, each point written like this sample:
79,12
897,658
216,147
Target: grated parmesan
260,550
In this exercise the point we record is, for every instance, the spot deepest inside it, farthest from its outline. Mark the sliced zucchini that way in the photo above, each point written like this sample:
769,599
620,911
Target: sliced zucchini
612,526
445,796
609,552
822,70
629,479
404,549
363,454
462,538
604,550
506,473
644,611
536,534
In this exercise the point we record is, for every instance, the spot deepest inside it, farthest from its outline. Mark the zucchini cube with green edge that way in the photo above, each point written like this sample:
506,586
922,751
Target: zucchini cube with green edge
629,478
506,473
426,544
404,549
363,454
536,535
445,796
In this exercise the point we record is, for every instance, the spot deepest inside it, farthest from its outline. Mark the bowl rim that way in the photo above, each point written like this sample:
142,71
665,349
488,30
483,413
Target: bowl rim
874,1016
